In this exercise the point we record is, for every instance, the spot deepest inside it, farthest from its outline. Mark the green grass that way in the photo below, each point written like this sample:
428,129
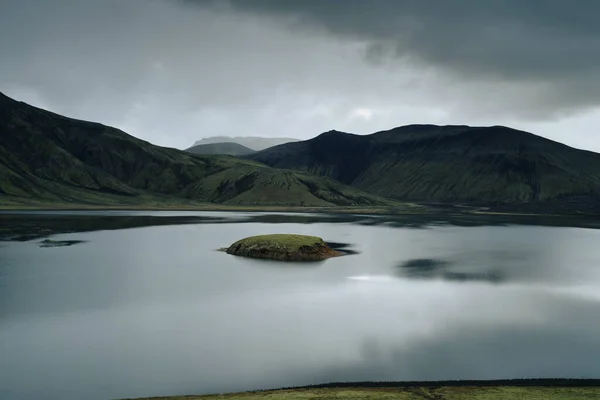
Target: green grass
284,247
284,241
417,393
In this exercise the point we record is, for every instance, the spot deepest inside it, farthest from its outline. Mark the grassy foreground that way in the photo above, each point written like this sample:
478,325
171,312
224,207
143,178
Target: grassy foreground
413,393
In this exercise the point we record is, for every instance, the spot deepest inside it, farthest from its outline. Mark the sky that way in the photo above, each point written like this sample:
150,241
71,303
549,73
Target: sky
175,71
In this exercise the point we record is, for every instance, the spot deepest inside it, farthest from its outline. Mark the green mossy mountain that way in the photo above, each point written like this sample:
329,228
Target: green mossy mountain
49,158
46,157
450,164
228,148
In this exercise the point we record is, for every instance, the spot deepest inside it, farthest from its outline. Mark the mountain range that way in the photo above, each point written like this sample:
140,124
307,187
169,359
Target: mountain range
450,164
46,157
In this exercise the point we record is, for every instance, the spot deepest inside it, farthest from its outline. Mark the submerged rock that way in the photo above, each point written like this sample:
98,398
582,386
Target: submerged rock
283,247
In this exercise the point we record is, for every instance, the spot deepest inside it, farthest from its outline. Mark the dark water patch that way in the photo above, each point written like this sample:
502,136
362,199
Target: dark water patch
338,245
342,248
424,268
59,243
370,222
302,219
491,276
24,227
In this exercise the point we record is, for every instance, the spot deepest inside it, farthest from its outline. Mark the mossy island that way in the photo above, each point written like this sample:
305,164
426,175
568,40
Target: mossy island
283,247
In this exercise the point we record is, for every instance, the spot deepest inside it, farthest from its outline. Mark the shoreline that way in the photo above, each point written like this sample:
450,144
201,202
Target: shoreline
24,224
395,208
525,389
409,209
527,382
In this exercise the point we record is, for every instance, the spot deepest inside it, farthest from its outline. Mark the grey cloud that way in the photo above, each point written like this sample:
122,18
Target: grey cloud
510,38
552,43
172,73
159,70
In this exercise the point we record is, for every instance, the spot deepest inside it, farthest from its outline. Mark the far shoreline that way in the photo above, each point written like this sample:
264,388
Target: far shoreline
408,209
36,221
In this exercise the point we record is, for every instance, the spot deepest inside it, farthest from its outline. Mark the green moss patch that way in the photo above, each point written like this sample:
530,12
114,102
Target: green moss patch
283,247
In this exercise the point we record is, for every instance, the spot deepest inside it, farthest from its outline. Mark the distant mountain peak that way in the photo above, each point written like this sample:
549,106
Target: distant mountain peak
229,148
256,143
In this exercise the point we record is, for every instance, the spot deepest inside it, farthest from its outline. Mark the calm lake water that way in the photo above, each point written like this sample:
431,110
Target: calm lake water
155,311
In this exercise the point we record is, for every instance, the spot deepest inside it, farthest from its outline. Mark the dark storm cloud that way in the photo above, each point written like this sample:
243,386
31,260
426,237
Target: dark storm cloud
508,38
554,44
174,71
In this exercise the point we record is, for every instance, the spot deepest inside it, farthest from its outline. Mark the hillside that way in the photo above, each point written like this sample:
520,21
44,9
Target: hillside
228,148
450,164
244,185
45,157
255,143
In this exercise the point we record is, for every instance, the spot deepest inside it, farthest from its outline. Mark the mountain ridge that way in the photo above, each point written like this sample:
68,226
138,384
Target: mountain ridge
448,164
49,157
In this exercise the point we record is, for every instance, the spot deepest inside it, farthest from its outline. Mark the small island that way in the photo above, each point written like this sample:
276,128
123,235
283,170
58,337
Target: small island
283,247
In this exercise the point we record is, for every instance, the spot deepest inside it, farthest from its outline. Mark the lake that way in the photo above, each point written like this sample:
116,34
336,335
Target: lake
156,310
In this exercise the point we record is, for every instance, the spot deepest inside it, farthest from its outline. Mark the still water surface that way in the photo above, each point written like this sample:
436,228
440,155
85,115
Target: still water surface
156,311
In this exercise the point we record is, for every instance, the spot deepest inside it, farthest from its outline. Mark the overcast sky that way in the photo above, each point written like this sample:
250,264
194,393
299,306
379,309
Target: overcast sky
174,71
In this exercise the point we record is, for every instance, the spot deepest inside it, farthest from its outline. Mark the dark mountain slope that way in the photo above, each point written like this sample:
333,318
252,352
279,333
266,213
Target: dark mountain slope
270,186
447,164
40,144
229,148
48,157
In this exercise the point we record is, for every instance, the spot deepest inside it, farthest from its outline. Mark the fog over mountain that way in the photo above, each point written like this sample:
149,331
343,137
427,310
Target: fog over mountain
252,142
